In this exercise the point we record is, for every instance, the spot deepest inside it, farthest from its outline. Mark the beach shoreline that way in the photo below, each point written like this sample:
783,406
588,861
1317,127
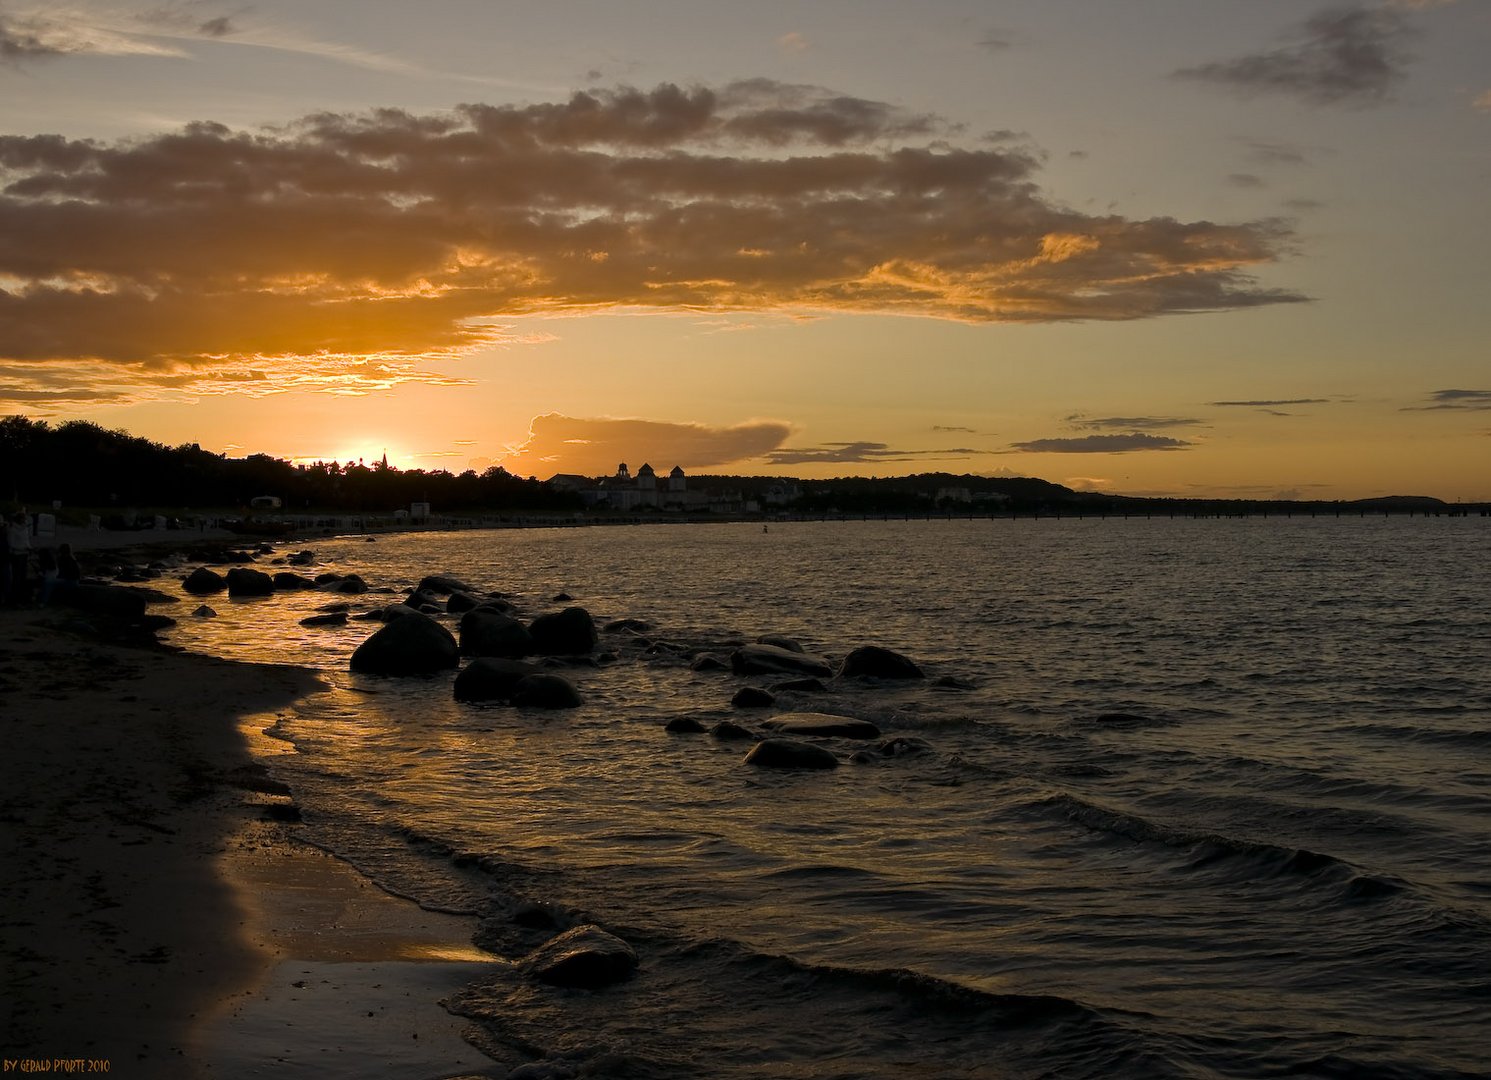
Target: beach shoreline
156,902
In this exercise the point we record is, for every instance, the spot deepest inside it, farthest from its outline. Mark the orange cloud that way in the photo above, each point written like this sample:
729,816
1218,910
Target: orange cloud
390,237
594,447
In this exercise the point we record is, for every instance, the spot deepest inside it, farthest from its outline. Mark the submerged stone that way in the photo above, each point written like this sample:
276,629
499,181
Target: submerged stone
871,661
491,678
810,723
761,659
790,754
584,957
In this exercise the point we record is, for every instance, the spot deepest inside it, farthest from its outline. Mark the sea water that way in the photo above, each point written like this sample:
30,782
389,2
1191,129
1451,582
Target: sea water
1205,798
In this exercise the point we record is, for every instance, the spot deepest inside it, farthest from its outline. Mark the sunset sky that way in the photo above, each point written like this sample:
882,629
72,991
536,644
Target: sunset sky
1177,247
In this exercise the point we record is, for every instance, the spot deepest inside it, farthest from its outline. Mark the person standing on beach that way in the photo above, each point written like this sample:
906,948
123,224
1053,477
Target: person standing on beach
18,537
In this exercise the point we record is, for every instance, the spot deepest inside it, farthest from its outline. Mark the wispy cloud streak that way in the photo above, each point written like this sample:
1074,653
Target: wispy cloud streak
1345,55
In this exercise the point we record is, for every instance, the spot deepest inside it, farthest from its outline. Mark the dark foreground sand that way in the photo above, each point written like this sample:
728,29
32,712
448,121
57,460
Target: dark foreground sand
157,915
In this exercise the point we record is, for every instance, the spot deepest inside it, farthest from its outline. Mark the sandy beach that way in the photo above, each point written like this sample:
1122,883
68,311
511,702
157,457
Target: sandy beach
160,918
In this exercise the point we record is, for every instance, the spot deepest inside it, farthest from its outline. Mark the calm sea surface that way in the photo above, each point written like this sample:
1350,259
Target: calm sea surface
1276,861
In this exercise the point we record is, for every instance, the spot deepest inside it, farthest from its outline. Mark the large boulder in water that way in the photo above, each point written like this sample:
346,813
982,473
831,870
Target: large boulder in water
813,723
244,581
462,601
490,633
761,659
443,584
491,678
414,644
203,582
871,661
564,633
585,956
790,754
545,691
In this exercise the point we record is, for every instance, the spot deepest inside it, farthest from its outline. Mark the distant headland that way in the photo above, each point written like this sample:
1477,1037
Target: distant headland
84,474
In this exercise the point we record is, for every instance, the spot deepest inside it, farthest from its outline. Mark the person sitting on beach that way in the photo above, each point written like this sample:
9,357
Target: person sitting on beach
67,565
60,574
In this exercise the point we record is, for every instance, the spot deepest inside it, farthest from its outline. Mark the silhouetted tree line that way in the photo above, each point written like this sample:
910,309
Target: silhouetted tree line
84,465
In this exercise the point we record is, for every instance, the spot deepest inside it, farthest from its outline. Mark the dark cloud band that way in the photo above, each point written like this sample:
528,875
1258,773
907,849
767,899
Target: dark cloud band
396,235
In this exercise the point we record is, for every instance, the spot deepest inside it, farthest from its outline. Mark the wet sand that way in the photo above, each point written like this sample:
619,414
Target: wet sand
157,912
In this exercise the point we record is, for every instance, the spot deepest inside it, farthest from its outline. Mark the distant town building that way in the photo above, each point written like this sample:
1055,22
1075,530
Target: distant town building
781,494
626,493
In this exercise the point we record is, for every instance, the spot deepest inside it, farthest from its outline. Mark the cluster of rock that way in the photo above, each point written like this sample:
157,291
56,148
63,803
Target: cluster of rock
510,661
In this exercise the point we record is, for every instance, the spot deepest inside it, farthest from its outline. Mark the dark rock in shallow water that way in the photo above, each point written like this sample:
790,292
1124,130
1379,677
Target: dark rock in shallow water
461,601
902,746
563,598
871,661
684,725
811,723
773,660
708,662
790,754
331,618
205,612
488,633
301,558
948,682
335,605
351,585
413,644
584,957
423,598
1126,720
636,626
202,582
286,580
801,686
566,632
729,730
781,641
545,691
753,697
443,584
491,678
243,581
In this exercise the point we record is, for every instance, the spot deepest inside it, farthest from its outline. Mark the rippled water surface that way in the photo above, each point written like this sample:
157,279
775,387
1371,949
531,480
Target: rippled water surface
1209,797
